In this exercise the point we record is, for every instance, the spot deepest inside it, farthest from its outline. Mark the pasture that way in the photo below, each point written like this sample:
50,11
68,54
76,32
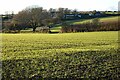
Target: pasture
105,19
69,55
81,21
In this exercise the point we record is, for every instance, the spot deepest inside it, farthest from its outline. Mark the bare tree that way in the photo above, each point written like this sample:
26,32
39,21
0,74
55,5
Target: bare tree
32,16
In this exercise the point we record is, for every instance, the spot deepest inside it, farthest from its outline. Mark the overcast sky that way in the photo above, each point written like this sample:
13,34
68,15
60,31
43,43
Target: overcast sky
81,5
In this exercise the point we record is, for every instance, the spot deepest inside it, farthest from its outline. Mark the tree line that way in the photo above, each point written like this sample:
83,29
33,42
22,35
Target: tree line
33,17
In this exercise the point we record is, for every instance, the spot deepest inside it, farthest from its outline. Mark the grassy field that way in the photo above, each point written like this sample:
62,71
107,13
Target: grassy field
105,19
56,29
70,55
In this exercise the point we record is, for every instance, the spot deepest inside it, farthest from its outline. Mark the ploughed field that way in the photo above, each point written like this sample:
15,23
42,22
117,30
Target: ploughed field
69,55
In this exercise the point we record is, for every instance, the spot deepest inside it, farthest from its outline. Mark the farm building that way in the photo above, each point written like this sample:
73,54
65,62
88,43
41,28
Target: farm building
97,14
72,16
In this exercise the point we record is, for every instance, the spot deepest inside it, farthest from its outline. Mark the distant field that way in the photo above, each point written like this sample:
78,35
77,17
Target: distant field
56,29
109,19
70,55
105,19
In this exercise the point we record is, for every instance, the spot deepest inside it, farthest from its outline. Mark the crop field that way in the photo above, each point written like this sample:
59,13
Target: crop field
69,55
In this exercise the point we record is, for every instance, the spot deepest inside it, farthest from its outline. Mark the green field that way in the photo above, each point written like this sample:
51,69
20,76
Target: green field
81,21
105,19
69,55
56,29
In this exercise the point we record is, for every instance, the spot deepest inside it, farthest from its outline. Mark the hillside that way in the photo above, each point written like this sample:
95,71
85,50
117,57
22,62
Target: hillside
105,20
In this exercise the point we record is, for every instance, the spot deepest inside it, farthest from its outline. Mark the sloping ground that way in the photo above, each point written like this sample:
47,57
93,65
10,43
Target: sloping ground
105,19
110,19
